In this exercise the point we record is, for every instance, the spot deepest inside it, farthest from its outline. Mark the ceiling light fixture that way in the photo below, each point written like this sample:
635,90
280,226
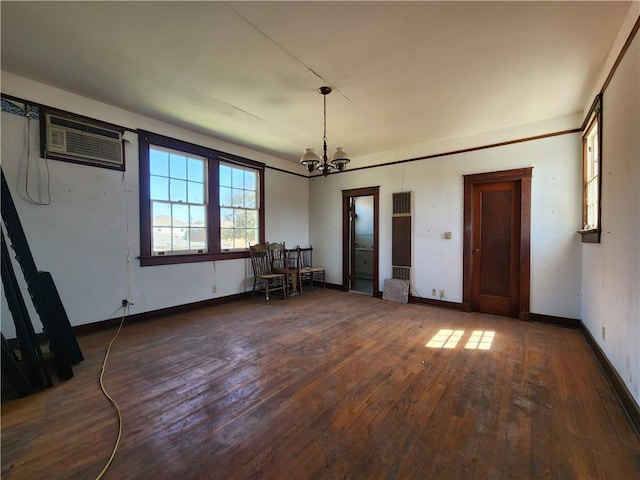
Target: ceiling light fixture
312,161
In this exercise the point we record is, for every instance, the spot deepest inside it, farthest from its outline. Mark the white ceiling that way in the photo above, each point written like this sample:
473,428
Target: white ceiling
403,73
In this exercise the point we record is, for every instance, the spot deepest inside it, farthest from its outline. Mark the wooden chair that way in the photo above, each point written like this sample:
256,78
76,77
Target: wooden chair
264,278
309,273
286,262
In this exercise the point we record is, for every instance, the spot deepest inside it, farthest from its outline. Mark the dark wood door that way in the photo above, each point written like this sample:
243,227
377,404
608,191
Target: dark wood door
496,251
496,248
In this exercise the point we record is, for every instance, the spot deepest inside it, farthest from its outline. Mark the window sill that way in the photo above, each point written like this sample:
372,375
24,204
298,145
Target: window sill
590,236
191,258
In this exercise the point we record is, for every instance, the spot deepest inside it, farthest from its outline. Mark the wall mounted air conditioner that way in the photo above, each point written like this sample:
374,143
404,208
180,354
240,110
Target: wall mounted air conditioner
82,141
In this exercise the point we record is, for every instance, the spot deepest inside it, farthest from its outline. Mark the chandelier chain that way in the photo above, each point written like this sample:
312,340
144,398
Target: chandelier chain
325,118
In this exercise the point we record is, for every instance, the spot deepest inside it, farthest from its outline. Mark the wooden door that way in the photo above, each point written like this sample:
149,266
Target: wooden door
496,248
497,212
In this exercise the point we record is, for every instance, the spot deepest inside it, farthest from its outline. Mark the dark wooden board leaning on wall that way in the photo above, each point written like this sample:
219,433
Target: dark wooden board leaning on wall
62,341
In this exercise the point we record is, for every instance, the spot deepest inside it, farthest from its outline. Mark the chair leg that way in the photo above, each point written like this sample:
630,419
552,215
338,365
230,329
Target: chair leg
266,291
253,292
285,282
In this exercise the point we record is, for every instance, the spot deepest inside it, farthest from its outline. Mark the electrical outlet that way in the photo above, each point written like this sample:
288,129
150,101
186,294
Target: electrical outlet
604,332
442,294
433,292
214,289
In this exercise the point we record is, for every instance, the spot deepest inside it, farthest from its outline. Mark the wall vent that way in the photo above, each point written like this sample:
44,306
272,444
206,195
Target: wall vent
403,273
401,236
82,141
402,203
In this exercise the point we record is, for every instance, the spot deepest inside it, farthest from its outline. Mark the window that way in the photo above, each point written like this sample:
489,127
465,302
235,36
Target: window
591,156
178,201
196,204
238,207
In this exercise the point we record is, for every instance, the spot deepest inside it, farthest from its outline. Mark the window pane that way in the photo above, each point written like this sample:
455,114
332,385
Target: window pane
197,216
179,237
240,238
178,189
225,176
252,219
252,236
226,218
161,214
178,166
159,188
240,219
195,192
226,238
161,239
250,180
197,239
238,198
225,197
249,199
180,216
238,178
158,162
195,170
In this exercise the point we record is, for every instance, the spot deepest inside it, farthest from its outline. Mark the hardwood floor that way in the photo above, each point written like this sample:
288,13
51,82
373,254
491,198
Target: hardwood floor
327,385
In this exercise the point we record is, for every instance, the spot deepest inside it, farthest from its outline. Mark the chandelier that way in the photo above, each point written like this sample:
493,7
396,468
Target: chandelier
312,161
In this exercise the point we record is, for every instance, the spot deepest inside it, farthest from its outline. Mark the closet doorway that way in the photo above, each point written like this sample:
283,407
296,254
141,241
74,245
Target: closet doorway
360,240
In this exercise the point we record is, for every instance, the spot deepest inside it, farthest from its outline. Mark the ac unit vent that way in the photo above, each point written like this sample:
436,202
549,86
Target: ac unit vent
401,203
403,273
73,140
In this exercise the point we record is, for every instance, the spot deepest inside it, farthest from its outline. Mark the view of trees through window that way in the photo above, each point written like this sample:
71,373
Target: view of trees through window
238,207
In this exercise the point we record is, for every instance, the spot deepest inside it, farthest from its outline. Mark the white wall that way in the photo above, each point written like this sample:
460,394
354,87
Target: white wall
287,209
611,269
88,237
438,187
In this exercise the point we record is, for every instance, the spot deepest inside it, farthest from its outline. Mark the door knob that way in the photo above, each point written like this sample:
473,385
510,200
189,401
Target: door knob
475,250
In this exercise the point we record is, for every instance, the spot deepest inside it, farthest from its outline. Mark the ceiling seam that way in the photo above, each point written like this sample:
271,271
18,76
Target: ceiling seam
284,50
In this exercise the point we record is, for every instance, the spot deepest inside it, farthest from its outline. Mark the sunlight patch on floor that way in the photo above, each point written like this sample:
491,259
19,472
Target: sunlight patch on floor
448,338
445,339
480,340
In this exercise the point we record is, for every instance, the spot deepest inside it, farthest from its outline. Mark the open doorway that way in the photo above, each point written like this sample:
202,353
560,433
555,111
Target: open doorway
360,240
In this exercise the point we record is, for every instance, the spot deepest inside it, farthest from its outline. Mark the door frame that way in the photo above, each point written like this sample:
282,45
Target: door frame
347,195
523,176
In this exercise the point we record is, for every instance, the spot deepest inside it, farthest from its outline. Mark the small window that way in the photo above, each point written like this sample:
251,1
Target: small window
592,168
